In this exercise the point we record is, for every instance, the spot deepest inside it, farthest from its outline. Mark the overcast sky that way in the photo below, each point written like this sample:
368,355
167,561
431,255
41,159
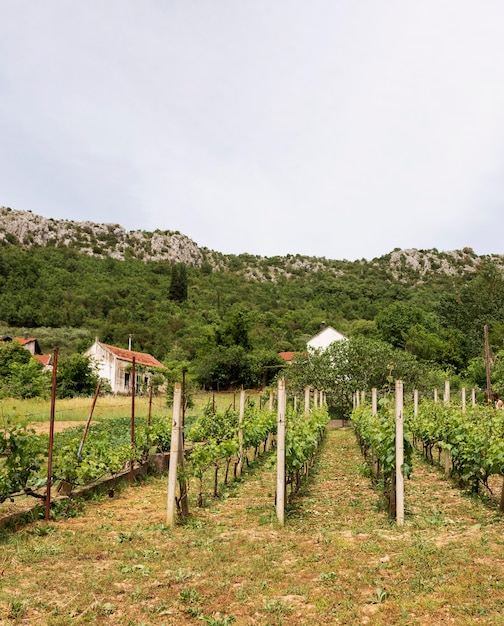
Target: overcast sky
336,128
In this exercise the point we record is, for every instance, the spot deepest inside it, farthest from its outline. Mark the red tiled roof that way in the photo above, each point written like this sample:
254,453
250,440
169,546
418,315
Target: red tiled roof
43,358
286,356
24,340
141,358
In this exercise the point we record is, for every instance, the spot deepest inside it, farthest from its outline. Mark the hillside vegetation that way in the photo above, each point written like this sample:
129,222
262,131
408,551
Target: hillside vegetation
67,282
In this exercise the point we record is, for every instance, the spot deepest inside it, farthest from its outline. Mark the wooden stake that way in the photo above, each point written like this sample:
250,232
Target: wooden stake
487,366
240,433
446,395
374,401
306,400
51,435
174,455
280,491
399,452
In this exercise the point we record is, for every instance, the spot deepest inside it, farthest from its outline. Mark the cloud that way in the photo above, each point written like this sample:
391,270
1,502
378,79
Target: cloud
341,129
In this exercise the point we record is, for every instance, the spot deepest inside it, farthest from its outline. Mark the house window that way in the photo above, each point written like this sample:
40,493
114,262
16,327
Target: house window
126,380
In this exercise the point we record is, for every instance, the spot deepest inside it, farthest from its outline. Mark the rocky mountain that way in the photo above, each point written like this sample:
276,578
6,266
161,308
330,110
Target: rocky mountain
25,229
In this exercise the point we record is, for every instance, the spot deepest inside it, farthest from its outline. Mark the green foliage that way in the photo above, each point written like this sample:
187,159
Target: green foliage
376,435
21,376
178,283
11,352
358,364
76,377
22,454
107,450
475,439
66,298
302,436
233,366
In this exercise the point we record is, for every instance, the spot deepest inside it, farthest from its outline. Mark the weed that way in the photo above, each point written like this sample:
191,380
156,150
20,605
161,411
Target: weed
189,596
329,576
277,607
42,530
16,610
135,569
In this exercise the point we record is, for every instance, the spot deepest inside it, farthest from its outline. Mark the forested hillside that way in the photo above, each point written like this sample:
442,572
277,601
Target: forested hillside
220,314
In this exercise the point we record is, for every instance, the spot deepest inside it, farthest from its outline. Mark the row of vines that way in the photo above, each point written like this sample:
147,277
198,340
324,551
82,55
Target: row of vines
107,451
469,444
216,443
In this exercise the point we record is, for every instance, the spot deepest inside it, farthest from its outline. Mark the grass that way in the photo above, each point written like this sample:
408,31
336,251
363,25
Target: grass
37,410
338,560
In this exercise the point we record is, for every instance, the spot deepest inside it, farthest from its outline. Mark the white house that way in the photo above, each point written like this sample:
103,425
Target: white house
114,365
325,338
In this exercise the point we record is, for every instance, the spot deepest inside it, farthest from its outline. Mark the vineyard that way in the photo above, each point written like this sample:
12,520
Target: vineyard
338,558
467,443
217,442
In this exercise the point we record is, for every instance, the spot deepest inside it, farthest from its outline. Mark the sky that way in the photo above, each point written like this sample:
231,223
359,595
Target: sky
334,128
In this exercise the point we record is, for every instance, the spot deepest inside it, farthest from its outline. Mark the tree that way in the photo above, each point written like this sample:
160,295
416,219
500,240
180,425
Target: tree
21,376
355,365
76,377
178,284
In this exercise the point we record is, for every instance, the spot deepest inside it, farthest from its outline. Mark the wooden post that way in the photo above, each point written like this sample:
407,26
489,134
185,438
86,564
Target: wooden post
174,455
363,397
295,403
415,402
399,452
446,394
374,401
446,461
240,433
315,398
149,414
271,401
487,366
473,397
435,396
280,490
463,399
51,435
306,400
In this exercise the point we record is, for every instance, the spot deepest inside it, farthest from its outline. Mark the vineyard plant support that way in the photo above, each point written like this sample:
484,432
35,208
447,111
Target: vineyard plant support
469,444
386,446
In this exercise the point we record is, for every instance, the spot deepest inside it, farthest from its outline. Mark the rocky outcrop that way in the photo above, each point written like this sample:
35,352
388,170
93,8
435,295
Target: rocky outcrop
26,229
411,266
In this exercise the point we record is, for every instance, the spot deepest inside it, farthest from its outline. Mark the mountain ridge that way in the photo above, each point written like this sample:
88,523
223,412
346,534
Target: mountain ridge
26,229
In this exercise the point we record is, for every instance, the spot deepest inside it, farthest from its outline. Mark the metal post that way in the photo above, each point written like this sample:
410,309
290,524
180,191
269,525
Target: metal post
133,391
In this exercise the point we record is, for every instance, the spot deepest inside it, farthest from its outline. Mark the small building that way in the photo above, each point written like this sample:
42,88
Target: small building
287,356
32,345
325,338
114,365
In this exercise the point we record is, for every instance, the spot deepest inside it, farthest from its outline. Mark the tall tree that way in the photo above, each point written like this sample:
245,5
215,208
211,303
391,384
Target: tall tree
178,284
